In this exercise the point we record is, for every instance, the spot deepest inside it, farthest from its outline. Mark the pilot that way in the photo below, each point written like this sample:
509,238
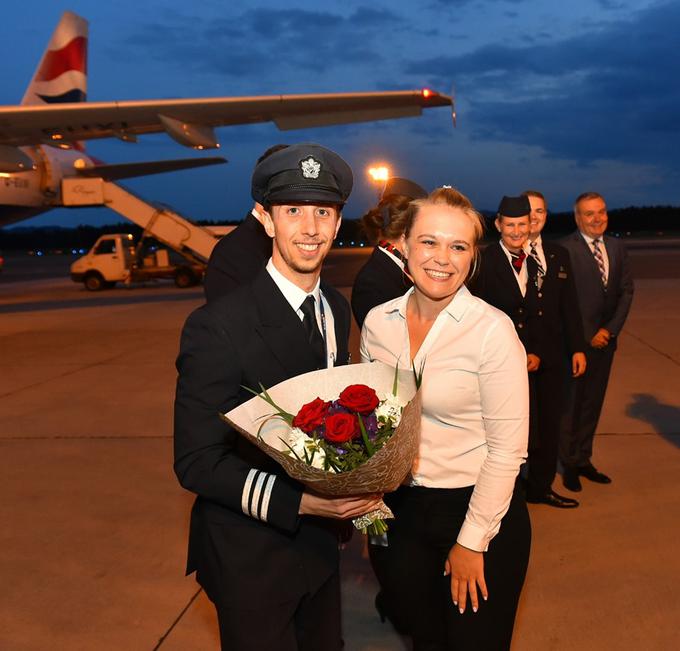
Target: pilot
263,547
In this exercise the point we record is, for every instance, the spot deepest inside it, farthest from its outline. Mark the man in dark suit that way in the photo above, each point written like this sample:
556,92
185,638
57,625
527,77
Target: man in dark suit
264,548
240,254
384,277
604,285
559,319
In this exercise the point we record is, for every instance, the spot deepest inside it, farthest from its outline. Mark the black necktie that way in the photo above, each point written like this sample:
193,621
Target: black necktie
312,329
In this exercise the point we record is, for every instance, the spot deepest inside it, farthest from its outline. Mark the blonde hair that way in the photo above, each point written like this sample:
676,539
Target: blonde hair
450,197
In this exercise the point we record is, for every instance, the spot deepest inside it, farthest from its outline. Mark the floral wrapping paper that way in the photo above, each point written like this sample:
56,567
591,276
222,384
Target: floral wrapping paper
382,473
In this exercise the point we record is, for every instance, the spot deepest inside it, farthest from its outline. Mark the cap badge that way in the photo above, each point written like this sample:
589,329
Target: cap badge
310,168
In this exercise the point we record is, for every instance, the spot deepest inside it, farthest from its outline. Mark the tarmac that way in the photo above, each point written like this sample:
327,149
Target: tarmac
95,524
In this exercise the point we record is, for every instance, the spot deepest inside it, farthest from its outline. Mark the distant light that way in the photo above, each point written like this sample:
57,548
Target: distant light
341,243
74,251
361,244
81,251
38,252
351,243
57,136
379,173
426,92
79,163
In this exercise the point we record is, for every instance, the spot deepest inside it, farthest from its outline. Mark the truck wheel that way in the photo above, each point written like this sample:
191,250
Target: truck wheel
185,278
94,281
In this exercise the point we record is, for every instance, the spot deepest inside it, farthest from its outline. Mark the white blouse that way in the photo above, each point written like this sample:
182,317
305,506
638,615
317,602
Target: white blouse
475,390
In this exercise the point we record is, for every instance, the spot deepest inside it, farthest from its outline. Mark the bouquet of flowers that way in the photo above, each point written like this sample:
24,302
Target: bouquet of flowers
349,430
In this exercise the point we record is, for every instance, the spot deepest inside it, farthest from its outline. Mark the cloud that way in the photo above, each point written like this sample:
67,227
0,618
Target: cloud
264,42
609,93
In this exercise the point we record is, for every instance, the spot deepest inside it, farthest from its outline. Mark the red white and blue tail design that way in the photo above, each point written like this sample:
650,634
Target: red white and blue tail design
61,75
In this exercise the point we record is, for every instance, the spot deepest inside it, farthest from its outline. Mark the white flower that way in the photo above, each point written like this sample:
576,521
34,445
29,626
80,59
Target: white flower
390,409
306,447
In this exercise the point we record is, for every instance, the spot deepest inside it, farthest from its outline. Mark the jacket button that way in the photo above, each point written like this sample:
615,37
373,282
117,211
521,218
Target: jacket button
540,313
540,295
520,325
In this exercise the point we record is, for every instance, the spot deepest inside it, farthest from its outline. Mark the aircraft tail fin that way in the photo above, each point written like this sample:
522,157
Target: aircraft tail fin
61,75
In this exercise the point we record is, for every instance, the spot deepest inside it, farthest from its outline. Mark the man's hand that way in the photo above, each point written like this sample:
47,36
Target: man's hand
466,568
340,508
601,338
578,364
533,362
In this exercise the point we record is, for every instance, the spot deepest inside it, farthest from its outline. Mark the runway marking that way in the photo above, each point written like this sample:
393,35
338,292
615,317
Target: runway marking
656,350
177,620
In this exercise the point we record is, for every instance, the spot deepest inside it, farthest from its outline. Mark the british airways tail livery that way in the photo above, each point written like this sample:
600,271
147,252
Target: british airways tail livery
61,75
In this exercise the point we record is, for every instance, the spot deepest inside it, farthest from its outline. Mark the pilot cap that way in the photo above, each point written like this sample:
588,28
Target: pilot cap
403,187
305,173
514,206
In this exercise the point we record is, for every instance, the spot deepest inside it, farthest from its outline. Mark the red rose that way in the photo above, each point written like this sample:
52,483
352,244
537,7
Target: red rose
311,415
342,427
359,398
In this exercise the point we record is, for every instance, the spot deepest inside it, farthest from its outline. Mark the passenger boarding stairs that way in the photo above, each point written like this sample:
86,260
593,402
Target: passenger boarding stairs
161,222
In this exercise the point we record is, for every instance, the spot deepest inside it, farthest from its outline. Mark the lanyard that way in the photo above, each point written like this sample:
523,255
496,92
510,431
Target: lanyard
322,312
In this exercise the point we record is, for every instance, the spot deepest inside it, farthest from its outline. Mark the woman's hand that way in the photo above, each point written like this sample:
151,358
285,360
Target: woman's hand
466,568
340,508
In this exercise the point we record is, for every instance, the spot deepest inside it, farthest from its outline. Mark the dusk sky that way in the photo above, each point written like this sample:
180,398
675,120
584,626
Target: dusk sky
557,96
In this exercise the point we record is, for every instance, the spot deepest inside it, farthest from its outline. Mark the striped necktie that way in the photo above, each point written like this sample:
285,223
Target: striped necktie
536,257
597,252
517,261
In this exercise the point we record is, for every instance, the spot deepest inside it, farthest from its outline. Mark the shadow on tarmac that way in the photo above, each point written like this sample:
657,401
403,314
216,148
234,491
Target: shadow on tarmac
664,419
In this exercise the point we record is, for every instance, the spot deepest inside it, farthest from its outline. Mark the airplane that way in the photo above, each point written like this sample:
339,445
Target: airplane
42,140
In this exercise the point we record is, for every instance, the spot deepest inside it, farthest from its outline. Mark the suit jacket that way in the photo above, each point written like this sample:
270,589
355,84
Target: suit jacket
601,307
558,315
378,281
496,284
237,258
242,339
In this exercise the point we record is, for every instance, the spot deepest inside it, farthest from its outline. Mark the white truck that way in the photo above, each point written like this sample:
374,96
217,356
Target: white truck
116,258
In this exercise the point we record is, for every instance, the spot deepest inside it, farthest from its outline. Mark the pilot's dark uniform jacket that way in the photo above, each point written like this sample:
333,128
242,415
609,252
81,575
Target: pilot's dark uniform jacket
559,319
256,558
237,258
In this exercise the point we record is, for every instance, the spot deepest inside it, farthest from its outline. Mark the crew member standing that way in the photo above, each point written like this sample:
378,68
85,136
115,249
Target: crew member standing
240,254
384,276
604,286
265,549
559,318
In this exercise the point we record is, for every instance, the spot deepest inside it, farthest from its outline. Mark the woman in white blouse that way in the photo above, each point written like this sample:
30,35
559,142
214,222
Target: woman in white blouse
459,546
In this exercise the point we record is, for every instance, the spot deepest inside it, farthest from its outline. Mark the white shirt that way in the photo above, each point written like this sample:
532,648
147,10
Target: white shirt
475,421
296,297
603,249
523,276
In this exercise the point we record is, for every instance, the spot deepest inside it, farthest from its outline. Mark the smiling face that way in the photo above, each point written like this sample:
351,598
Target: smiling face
591,217
303,235
537,216
514,231
439,248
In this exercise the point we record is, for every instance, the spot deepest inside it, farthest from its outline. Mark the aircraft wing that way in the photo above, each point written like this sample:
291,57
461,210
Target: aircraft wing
191,121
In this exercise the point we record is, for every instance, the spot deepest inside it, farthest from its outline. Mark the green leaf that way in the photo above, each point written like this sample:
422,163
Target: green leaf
364,436
270,401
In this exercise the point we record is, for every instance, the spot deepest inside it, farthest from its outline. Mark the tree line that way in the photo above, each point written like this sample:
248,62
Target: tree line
634,220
